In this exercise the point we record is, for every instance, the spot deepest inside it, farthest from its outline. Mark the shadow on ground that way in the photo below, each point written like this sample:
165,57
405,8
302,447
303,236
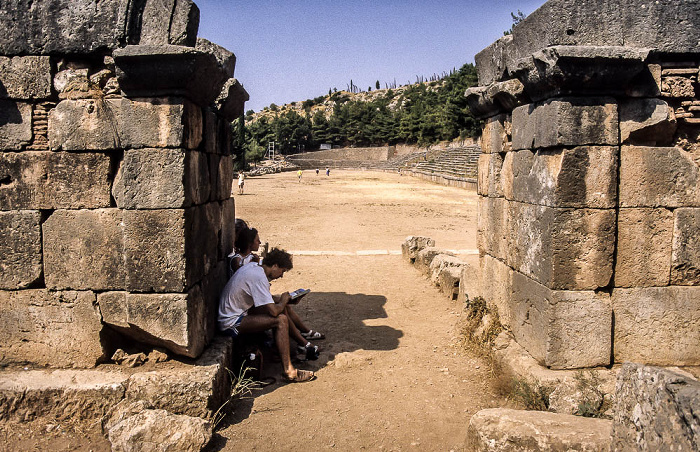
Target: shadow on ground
343,318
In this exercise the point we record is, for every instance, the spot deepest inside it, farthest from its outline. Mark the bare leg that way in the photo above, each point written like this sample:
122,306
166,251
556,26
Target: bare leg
296,320
254,323
293,330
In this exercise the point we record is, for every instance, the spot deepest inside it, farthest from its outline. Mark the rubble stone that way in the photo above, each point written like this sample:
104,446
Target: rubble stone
426,256
414,244
15,124
440,262
159,430
25,78
20,249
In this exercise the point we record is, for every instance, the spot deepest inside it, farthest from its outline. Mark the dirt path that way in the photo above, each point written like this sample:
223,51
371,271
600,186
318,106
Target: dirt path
391,376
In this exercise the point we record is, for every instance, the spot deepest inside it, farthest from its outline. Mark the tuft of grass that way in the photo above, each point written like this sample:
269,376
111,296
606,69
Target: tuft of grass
531,393
481,341
593,402
241,386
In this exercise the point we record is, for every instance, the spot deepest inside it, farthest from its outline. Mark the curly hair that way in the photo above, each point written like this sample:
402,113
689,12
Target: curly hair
278,257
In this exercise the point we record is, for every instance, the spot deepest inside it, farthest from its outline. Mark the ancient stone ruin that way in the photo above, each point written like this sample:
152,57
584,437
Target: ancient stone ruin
588,182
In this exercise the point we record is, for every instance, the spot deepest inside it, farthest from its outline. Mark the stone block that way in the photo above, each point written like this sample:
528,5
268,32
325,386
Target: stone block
658,177
210,131
644,238
53,180
426,256
230,103
494,135
497,287
489,175
413,245
470,282
221,172
15,125
225,58
493,226
169,22
649,122
571,121
657,325
104,124
561,329
440,262
685,257
25,78
561,248
585,176
655,409
198,181
228,230
84,249
506,430
47,328
20,249
175,321
448,281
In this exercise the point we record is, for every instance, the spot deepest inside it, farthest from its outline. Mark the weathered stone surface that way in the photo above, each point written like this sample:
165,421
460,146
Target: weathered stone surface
104,124
683,87
562,329
210,132
60,329
25,78
495,135
657,325
440,262
497,284
198,390
584,176
470,282
198,181
685,257
581,70
480,104
493,227
426,256
221,172
15,124
20,249
169,22
569,395
448,281
53,180
658,177
230,102
505,430
152,430
155,71
648,122
655,409
572,121
489,175
174,321
644,238
84,249
562,248
64,395
151,179
224,57
413,245
228,230
669,27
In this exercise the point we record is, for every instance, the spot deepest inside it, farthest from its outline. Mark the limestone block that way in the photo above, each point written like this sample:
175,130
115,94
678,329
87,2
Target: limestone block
169,70
685,257
225,138
683,87
572,121
25,78
59,394
585,176
210,131
646,122
507,175
497,284
170,250
655,409
494,136
644,238
230,103
562,248
212,285
225,58
20,249
221,172
658,177
491,62
657,325
489,175
493,226
175,321
103,124
169,22
413,245
198,182
228,230
470,282
480,103
506,430
15,125
198,390
160,430
426,256
561,329
53,180
47,328
440,262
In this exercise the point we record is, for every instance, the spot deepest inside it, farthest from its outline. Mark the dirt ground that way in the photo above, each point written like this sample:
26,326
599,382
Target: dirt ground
392,375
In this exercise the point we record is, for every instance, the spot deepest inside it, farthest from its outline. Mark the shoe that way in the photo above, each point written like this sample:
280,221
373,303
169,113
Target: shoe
301,376
312,353
312,335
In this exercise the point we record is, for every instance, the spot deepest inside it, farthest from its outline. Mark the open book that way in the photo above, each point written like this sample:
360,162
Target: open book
298,293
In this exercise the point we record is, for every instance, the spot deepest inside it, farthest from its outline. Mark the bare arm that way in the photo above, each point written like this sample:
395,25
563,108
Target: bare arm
277,308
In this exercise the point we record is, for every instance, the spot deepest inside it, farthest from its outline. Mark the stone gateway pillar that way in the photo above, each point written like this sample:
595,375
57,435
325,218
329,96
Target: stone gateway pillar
589,207
116,213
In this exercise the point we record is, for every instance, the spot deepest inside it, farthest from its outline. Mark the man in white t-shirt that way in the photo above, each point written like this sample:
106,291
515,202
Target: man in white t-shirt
247,306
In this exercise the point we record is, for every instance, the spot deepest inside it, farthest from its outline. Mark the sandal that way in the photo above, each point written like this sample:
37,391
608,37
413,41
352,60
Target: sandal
301,376
312,353
313,335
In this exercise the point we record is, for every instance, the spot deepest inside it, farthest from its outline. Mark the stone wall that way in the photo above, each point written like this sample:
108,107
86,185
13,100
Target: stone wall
115,178
589,201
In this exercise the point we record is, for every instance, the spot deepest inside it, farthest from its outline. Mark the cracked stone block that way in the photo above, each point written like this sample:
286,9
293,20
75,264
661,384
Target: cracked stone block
647,122
493,226
489,175
685,256
20,249
494,136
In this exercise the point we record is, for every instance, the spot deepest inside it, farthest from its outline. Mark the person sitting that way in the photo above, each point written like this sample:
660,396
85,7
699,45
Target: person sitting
247,243
247,306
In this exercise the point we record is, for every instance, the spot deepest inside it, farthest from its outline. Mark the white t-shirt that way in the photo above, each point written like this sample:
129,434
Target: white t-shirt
247,287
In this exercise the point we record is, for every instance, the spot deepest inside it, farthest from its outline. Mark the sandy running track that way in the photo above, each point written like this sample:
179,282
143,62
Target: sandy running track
391,376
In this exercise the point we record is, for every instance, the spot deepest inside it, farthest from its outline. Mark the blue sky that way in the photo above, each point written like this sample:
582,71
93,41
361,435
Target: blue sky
297,50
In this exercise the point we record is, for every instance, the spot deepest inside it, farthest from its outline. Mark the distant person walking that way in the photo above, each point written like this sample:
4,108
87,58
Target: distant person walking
241,182
317,171
299,173
328,171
